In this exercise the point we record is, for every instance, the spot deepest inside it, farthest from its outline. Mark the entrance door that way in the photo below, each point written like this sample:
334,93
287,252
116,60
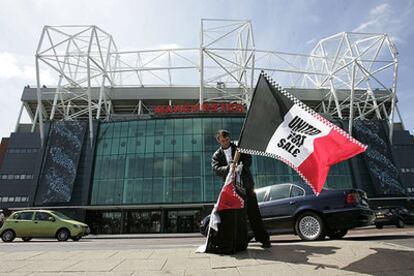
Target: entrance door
185,224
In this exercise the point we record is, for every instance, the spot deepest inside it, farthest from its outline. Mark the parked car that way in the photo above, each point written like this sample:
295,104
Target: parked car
293,208
395,215
42,224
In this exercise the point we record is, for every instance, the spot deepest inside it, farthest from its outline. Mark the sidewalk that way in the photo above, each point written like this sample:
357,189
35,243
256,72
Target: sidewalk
146,236
340,257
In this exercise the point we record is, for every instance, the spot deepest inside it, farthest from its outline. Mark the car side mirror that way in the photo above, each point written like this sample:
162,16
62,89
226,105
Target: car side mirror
51,219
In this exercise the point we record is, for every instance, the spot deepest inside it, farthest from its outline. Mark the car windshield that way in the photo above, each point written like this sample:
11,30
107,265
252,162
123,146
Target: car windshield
60,215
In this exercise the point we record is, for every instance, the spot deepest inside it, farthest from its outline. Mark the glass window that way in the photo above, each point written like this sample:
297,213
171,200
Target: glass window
169,143
168,190
175,154
115,146
260,194
197,126
117,129
159,128
178,165
138,191
124,129
147,191
197,142
24,216
149,144
187,143
158,169
157,190
169,127
149,165
187,126
296,191
159,144
42,216
279,192
197,189
178,142
178,126
177,189
150,128
187,189
120,167
123,145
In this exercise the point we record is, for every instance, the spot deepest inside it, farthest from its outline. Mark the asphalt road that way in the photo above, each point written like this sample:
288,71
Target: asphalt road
390,235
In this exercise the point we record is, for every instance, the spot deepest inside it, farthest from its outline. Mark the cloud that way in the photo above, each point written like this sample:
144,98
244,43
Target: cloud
386,18
12,67
311,41
168,46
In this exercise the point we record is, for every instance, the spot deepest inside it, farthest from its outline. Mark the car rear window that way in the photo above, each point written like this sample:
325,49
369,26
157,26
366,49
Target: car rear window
24,216
279,192
42,216
296,191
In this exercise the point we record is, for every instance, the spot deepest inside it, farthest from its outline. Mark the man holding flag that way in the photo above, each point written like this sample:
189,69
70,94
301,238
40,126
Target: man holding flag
221,161
280,126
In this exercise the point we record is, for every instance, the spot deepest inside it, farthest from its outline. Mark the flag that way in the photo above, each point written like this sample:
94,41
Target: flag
280,126
228,199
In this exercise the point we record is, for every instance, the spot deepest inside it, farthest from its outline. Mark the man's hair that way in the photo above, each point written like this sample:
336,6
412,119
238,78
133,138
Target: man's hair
222,132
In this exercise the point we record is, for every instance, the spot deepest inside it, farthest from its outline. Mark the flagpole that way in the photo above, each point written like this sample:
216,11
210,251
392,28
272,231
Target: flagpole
236,158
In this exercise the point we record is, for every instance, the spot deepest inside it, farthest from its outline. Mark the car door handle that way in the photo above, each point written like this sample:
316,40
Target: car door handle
292,202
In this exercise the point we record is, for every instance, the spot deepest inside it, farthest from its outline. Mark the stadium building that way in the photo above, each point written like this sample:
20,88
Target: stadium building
125,138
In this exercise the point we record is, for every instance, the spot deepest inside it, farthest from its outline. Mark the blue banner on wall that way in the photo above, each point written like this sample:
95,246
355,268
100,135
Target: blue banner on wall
378,158
61,161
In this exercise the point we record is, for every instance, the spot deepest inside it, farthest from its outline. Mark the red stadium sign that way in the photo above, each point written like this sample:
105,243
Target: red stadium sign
197,108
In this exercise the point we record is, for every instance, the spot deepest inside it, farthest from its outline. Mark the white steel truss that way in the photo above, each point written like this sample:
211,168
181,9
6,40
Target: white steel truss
358,71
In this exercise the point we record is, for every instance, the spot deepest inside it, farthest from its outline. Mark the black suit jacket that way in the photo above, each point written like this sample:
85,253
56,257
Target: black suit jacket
221,168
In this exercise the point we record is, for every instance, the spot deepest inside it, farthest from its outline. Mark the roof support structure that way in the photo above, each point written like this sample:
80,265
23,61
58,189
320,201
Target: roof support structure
355,69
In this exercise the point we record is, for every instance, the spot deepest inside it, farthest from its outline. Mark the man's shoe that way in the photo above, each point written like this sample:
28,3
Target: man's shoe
266,244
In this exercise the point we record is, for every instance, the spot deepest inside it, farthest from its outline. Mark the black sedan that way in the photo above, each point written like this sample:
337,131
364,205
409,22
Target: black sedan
293,208
395,215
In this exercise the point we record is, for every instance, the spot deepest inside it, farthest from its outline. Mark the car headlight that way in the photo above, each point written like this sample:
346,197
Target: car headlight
77,226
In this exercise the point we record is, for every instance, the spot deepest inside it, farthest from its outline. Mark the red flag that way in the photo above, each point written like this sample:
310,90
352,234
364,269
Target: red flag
228,198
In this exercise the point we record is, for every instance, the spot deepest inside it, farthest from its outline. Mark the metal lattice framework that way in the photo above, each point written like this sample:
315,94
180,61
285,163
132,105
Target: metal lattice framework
356,71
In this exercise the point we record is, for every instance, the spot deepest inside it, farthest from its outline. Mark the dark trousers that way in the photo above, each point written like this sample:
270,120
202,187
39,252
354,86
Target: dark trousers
253,213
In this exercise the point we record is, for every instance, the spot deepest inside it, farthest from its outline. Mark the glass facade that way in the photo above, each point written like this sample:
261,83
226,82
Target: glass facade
166,161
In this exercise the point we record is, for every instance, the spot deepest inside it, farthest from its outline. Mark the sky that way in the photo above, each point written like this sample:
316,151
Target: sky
289,26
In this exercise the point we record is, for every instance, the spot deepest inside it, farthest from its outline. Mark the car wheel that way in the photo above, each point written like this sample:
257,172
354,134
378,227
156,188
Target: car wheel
26,239
8,236
400,224
62,235
379,226
337,234
76,238
310,227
